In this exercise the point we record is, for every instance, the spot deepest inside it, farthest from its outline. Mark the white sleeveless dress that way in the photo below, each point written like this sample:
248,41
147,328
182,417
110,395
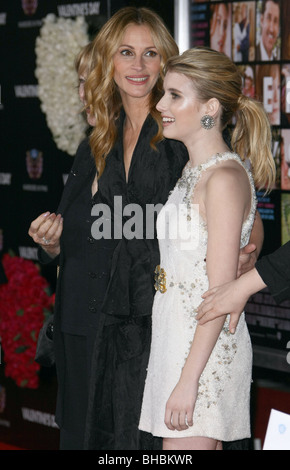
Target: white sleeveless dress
222,409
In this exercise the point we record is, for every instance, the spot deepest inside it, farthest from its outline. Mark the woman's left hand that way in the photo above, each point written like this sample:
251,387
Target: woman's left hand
180,405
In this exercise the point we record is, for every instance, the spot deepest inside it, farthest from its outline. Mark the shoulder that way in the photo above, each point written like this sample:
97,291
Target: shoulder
84,150
227,182
226,174
84,147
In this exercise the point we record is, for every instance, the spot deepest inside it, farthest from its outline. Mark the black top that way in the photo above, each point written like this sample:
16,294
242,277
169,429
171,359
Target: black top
274,269
152,175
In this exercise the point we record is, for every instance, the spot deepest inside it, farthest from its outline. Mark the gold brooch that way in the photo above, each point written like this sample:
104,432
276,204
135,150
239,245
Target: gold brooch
160,279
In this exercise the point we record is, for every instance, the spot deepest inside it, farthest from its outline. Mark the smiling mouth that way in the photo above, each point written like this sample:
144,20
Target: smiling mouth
271,37
167,120
138,80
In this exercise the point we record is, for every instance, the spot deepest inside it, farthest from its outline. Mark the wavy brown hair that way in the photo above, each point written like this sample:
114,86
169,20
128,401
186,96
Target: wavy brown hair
214,75
101,91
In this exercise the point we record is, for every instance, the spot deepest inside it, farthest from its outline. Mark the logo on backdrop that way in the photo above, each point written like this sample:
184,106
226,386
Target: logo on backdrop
26,91
3,17
79,9
34,163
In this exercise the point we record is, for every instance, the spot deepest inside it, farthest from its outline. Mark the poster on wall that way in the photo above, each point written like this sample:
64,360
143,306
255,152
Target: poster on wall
256,36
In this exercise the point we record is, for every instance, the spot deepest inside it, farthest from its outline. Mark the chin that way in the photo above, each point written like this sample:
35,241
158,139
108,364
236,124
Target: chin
167,133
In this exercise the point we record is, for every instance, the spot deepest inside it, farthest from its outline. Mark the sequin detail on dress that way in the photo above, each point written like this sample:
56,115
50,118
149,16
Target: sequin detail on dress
222,406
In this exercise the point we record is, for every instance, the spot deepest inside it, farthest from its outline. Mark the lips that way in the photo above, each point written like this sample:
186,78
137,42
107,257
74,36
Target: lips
166,120
138,80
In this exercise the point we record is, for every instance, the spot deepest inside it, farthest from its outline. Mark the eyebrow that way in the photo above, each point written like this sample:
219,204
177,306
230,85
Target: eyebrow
174,90
132,47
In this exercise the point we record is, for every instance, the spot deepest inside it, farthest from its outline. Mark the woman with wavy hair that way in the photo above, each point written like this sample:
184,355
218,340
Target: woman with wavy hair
103,92
197,391
105,288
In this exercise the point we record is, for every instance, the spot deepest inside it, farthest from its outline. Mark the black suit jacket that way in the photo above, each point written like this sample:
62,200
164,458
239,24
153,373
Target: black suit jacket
274,269
78,177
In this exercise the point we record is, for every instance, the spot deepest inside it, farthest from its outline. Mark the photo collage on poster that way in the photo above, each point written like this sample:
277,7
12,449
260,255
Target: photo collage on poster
256,36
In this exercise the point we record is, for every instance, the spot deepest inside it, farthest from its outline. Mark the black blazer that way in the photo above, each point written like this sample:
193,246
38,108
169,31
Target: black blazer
78,177
274,269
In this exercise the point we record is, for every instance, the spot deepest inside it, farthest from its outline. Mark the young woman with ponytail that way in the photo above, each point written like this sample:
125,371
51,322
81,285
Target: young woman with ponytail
197,390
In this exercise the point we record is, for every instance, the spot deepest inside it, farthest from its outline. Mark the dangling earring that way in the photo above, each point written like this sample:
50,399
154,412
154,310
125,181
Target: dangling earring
207,122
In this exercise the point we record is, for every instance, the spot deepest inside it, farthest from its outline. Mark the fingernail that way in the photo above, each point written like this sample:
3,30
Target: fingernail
46,214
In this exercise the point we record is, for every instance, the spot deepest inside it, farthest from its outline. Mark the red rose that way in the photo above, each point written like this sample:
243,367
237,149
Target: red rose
24,301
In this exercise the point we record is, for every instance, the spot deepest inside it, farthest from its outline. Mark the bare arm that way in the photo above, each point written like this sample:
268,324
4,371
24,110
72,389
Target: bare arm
225,211
247,260
230,297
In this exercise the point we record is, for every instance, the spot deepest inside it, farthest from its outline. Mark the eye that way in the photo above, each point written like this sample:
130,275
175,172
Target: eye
151,54
174,96
126,52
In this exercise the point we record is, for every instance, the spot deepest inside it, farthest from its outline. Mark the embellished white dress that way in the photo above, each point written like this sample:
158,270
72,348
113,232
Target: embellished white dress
222,409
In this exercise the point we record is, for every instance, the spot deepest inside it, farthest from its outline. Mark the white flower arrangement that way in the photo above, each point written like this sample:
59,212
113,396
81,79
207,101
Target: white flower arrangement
56,48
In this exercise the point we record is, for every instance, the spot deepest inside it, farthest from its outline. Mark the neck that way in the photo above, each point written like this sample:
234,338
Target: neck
136,110
205,146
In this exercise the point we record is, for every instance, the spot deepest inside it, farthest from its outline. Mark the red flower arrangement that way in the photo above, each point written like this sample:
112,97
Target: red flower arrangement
25,303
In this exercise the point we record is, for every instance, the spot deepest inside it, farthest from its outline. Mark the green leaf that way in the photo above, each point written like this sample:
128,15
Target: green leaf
17,337
33,335
47,290
21,349
46,313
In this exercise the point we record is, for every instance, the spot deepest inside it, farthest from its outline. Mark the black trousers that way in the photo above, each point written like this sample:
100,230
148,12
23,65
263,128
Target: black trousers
78,350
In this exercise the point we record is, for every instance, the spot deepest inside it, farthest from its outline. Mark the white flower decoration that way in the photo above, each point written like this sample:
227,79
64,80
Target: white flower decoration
57,46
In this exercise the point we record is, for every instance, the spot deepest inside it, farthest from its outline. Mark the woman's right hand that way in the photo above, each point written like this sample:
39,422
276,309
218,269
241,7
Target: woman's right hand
46,231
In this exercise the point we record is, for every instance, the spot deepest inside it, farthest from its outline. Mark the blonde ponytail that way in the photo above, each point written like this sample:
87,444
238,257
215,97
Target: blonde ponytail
252,138
214,75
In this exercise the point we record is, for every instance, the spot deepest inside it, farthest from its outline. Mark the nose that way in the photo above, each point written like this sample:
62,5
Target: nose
138,63
82,91
161,105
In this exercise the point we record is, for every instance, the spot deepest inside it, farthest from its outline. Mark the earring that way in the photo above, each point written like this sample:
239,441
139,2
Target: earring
207,122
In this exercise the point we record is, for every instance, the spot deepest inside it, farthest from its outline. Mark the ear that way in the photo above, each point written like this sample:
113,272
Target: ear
212,107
